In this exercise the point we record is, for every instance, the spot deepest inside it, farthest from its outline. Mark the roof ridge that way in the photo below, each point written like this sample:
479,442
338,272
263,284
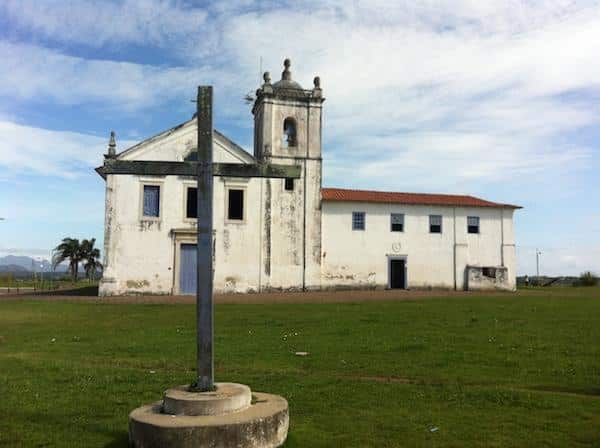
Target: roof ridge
390,197
399,192
172,129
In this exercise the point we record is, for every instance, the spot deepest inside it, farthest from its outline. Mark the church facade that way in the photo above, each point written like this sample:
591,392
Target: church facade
293,234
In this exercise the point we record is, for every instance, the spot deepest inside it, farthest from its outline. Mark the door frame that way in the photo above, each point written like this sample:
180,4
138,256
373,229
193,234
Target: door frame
390,258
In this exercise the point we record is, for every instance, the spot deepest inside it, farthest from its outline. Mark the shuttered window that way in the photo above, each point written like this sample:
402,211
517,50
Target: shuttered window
397,222
151,201
473,224
358,220
435,223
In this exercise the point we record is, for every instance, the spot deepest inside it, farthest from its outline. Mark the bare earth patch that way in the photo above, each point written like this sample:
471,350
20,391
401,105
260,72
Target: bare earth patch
270,297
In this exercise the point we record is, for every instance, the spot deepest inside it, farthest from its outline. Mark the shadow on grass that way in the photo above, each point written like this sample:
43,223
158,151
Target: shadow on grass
121,439
88,290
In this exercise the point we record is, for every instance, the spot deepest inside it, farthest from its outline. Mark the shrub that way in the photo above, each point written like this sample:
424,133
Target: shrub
587,279
535,281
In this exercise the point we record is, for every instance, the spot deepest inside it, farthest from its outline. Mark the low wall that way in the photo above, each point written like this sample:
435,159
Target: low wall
480,278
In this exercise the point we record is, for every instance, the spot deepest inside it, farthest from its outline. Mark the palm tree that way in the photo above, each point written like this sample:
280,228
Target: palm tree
91,255
74,251
68,249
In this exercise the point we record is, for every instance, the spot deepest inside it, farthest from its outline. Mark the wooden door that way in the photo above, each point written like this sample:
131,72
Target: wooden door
187,271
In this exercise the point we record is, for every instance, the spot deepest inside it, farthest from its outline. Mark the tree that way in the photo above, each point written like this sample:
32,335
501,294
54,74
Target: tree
91,255
68,249
78,252
587,279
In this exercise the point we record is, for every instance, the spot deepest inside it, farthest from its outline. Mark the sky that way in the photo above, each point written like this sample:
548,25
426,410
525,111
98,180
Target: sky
497,99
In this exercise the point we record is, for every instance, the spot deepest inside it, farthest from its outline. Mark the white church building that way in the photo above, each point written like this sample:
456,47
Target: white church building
293,234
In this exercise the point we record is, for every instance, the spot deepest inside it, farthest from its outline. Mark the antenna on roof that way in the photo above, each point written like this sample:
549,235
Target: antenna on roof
249,97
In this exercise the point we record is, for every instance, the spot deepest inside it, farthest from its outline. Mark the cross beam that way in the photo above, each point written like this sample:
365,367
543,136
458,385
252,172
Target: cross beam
159,168
204,170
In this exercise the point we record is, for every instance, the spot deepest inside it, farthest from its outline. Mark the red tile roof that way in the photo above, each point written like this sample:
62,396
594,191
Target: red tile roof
453,200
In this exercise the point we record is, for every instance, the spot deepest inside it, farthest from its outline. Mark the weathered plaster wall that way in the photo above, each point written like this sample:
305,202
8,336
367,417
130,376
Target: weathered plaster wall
267,250
291,237
493,277
360,258
142,254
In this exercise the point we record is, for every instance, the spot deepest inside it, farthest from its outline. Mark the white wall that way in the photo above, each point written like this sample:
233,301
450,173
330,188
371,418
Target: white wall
266,250
287,240
360,258
291,249
142,254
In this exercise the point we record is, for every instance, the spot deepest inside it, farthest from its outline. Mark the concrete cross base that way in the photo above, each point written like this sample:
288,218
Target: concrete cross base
229,417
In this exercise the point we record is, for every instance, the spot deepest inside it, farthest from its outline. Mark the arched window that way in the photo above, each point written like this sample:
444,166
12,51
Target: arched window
289,132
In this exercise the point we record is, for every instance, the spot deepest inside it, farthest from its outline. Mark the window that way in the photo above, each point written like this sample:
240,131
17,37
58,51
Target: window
192,156
289,132
191,207
289,184
397,222
358,220
235,206
473,224
489,272
151,201
435,223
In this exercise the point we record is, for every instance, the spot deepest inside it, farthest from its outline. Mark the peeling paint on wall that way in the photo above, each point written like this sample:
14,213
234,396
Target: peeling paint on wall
146,225
487,277
137,284
267,221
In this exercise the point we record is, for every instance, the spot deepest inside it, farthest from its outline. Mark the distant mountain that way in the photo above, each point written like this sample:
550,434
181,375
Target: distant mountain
24,263
12,268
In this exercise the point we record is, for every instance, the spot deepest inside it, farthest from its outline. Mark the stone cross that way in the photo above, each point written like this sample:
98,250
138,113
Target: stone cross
203,169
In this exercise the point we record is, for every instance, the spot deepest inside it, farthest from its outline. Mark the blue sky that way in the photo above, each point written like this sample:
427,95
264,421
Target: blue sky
495,99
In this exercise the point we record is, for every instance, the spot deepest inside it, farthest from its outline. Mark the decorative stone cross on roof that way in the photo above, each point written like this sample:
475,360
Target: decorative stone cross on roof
203,169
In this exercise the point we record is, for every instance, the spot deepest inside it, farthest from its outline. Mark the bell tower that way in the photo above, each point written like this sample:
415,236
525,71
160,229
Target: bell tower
287,130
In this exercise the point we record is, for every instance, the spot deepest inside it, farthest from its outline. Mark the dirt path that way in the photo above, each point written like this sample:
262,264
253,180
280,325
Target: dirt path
271,297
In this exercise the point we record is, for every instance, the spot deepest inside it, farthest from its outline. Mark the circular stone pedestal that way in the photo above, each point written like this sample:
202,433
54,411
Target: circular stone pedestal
227,398
231,416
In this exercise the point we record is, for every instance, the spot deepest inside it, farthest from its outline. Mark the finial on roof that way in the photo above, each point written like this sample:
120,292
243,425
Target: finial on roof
286,74
112,145
267,78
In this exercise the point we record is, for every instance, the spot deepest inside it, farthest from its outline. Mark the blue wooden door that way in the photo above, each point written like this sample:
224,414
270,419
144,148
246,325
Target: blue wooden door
187,271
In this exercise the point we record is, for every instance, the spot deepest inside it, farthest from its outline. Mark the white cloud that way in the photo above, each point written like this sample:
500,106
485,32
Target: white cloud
35,73
25,149
476,87
97,24
559,261
28,252
470,90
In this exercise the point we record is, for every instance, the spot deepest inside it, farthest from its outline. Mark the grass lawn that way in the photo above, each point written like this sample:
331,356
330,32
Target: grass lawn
495,370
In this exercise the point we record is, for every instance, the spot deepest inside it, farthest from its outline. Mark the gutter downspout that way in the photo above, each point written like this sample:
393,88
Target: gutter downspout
454,247
502,237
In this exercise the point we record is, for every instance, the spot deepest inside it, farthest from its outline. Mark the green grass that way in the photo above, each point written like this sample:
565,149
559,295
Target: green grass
494,370
45,284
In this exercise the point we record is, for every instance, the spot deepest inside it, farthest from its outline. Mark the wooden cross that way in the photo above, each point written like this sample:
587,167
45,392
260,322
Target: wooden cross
204,169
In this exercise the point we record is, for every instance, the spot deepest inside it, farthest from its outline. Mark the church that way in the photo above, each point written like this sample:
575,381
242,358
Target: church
292,234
